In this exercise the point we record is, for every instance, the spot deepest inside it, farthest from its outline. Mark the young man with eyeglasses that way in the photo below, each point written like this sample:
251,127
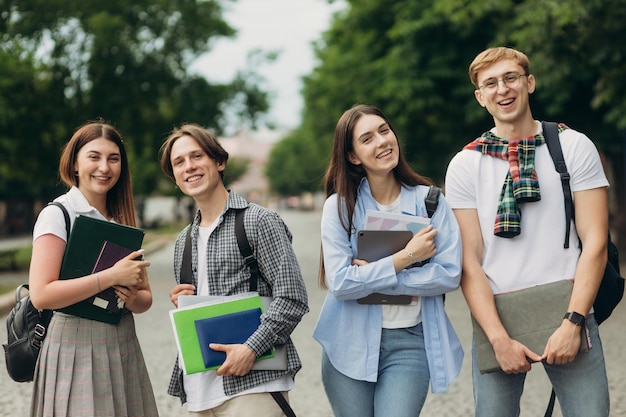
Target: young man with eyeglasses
508,200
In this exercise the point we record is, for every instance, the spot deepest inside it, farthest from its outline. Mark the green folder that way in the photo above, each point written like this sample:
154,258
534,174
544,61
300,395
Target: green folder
184,325
81,254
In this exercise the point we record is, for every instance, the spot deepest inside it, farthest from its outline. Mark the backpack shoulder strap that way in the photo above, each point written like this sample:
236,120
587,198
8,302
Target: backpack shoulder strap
65,215
246,250
551,135
186,270
432,200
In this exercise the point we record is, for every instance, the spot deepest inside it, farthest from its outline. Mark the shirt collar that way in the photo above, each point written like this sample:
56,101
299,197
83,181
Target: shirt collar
80,204
407,197
234,202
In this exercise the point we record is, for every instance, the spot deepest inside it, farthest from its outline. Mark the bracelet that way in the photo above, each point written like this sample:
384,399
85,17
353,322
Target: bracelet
408,252
98,281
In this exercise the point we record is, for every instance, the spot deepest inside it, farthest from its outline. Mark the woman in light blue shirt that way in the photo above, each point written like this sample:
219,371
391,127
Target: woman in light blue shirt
378,359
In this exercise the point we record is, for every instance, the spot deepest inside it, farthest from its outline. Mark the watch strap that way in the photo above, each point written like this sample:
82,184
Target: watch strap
576,318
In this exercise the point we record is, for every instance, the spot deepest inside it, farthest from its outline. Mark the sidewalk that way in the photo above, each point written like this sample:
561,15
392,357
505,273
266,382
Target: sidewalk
308,398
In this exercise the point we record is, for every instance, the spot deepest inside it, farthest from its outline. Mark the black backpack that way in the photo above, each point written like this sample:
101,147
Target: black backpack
611,288
612,285
26,330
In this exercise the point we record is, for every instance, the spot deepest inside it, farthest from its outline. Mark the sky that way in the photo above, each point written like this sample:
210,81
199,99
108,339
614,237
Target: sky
286,25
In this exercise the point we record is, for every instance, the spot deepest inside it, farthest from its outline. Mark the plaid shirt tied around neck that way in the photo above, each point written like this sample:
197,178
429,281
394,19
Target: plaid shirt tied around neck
520,185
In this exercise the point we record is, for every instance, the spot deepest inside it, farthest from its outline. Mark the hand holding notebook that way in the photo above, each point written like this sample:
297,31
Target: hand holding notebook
82,253
110,254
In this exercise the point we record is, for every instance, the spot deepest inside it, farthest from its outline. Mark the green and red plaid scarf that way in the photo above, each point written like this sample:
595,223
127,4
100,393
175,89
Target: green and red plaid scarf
520,185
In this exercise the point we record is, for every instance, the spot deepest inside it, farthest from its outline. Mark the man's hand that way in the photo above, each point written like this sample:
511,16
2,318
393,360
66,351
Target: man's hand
239,359
181,289
563,345
514,357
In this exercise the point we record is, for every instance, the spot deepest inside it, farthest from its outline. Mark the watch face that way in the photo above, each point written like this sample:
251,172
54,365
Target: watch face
574,317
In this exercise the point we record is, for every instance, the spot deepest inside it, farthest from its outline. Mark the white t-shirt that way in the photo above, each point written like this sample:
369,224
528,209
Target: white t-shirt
400,316
51,220
536,256
205,390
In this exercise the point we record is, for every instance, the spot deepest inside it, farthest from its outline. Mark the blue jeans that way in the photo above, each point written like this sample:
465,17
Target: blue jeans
580,386
402,385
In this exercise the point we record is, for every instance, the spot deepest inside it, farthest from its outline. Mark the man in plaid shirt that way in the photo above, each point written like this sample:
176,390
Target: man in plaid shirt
194,159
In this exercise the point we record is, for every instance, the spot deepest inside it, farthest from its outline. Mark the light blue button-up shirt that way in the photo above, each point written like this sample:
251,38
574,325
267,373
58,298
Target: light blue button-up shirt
349,332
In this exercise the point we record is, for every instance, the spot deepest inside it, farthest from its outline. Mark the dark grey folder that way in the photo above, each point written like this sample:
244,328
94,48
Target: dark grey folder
377,244
530,316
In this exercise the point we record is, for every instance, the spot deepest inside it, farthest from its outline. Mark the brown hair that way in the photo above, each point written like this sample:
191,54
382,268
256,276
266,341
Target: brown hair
343,177
205,139
492,55
119,200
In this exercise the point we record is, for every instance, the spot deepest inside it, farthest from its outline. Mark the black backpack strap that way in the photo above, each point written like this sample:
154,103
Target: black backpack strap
551,135
282,402
245,249
186,270
432,200
65,215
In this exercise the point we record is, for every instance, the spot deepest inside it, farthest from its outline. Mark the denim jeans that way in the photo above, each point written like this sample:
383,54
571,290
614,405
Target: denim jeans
580,386
402,385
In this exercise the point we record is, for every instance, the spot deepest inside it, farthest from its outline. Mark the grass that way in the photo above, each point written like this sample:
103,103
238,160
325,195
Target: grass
22,259
6,288
23,255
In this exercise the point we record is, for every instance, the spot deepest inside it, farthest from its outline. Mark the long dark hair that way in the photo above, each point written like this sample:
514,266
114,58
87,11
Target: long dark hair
343,177
119,200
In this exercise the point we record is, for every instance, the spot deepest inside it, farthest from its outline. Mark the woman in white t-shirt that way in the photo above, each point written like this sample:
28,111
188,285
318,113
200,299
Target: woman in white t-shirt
89,367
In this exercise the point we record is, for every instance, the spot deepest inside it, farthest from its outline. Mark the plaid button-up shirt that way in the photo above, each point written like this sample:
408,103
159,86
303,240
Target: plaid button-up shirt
228,274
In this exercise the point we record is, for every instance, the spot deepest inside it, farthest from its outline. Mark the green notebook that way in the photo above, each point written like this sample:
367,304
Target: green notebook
81,254
189,343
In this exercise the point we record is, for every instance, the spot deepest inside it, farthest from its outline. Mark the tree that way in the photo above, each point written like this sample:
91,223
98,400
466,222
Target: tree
294,167
410,58
126,62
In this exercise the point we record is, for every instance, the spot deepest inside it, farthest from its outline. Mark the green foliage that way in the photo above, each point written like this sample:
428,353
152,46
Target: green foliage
294,166
65,62
235,169
411,58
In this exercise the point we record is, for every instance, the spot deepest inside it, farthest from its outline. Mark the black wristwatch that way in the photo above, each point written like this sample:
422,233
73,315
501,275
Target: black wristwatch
574,317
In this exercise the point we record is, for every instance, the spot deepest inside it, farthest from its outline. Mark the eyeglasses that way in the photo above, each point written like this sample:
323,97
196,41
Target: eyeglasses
510,79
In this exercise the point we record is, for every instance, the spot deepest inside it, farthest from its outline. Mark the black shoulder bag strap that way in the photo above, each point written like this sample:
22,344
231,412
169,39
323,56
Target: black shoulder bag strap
186,269
248,255
65,214
432,200
551,135
246,250
46,315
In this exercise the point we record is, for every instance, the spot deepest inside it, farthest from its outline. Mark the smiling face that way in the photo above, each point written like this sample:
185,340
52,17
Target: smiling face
195,173
375,146
98,166
508,102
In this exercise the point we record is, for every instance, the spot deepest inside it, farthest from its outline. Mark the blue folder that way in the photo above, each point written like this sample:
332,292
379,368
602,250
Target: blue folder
234,328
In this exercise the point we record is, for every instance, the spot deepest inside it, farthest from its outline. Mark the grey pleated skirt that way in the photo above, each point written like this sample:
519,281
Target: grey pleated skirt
92,369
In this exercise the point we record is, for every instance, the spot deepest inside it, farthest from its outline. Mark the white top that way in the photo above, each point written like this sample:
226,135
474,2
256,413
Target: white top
205,390
51,220
536,256
400,316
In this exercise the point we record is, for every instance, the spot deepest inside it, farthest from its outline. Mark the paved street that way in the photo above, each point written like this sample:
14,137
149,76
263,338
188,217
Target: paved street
308,398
